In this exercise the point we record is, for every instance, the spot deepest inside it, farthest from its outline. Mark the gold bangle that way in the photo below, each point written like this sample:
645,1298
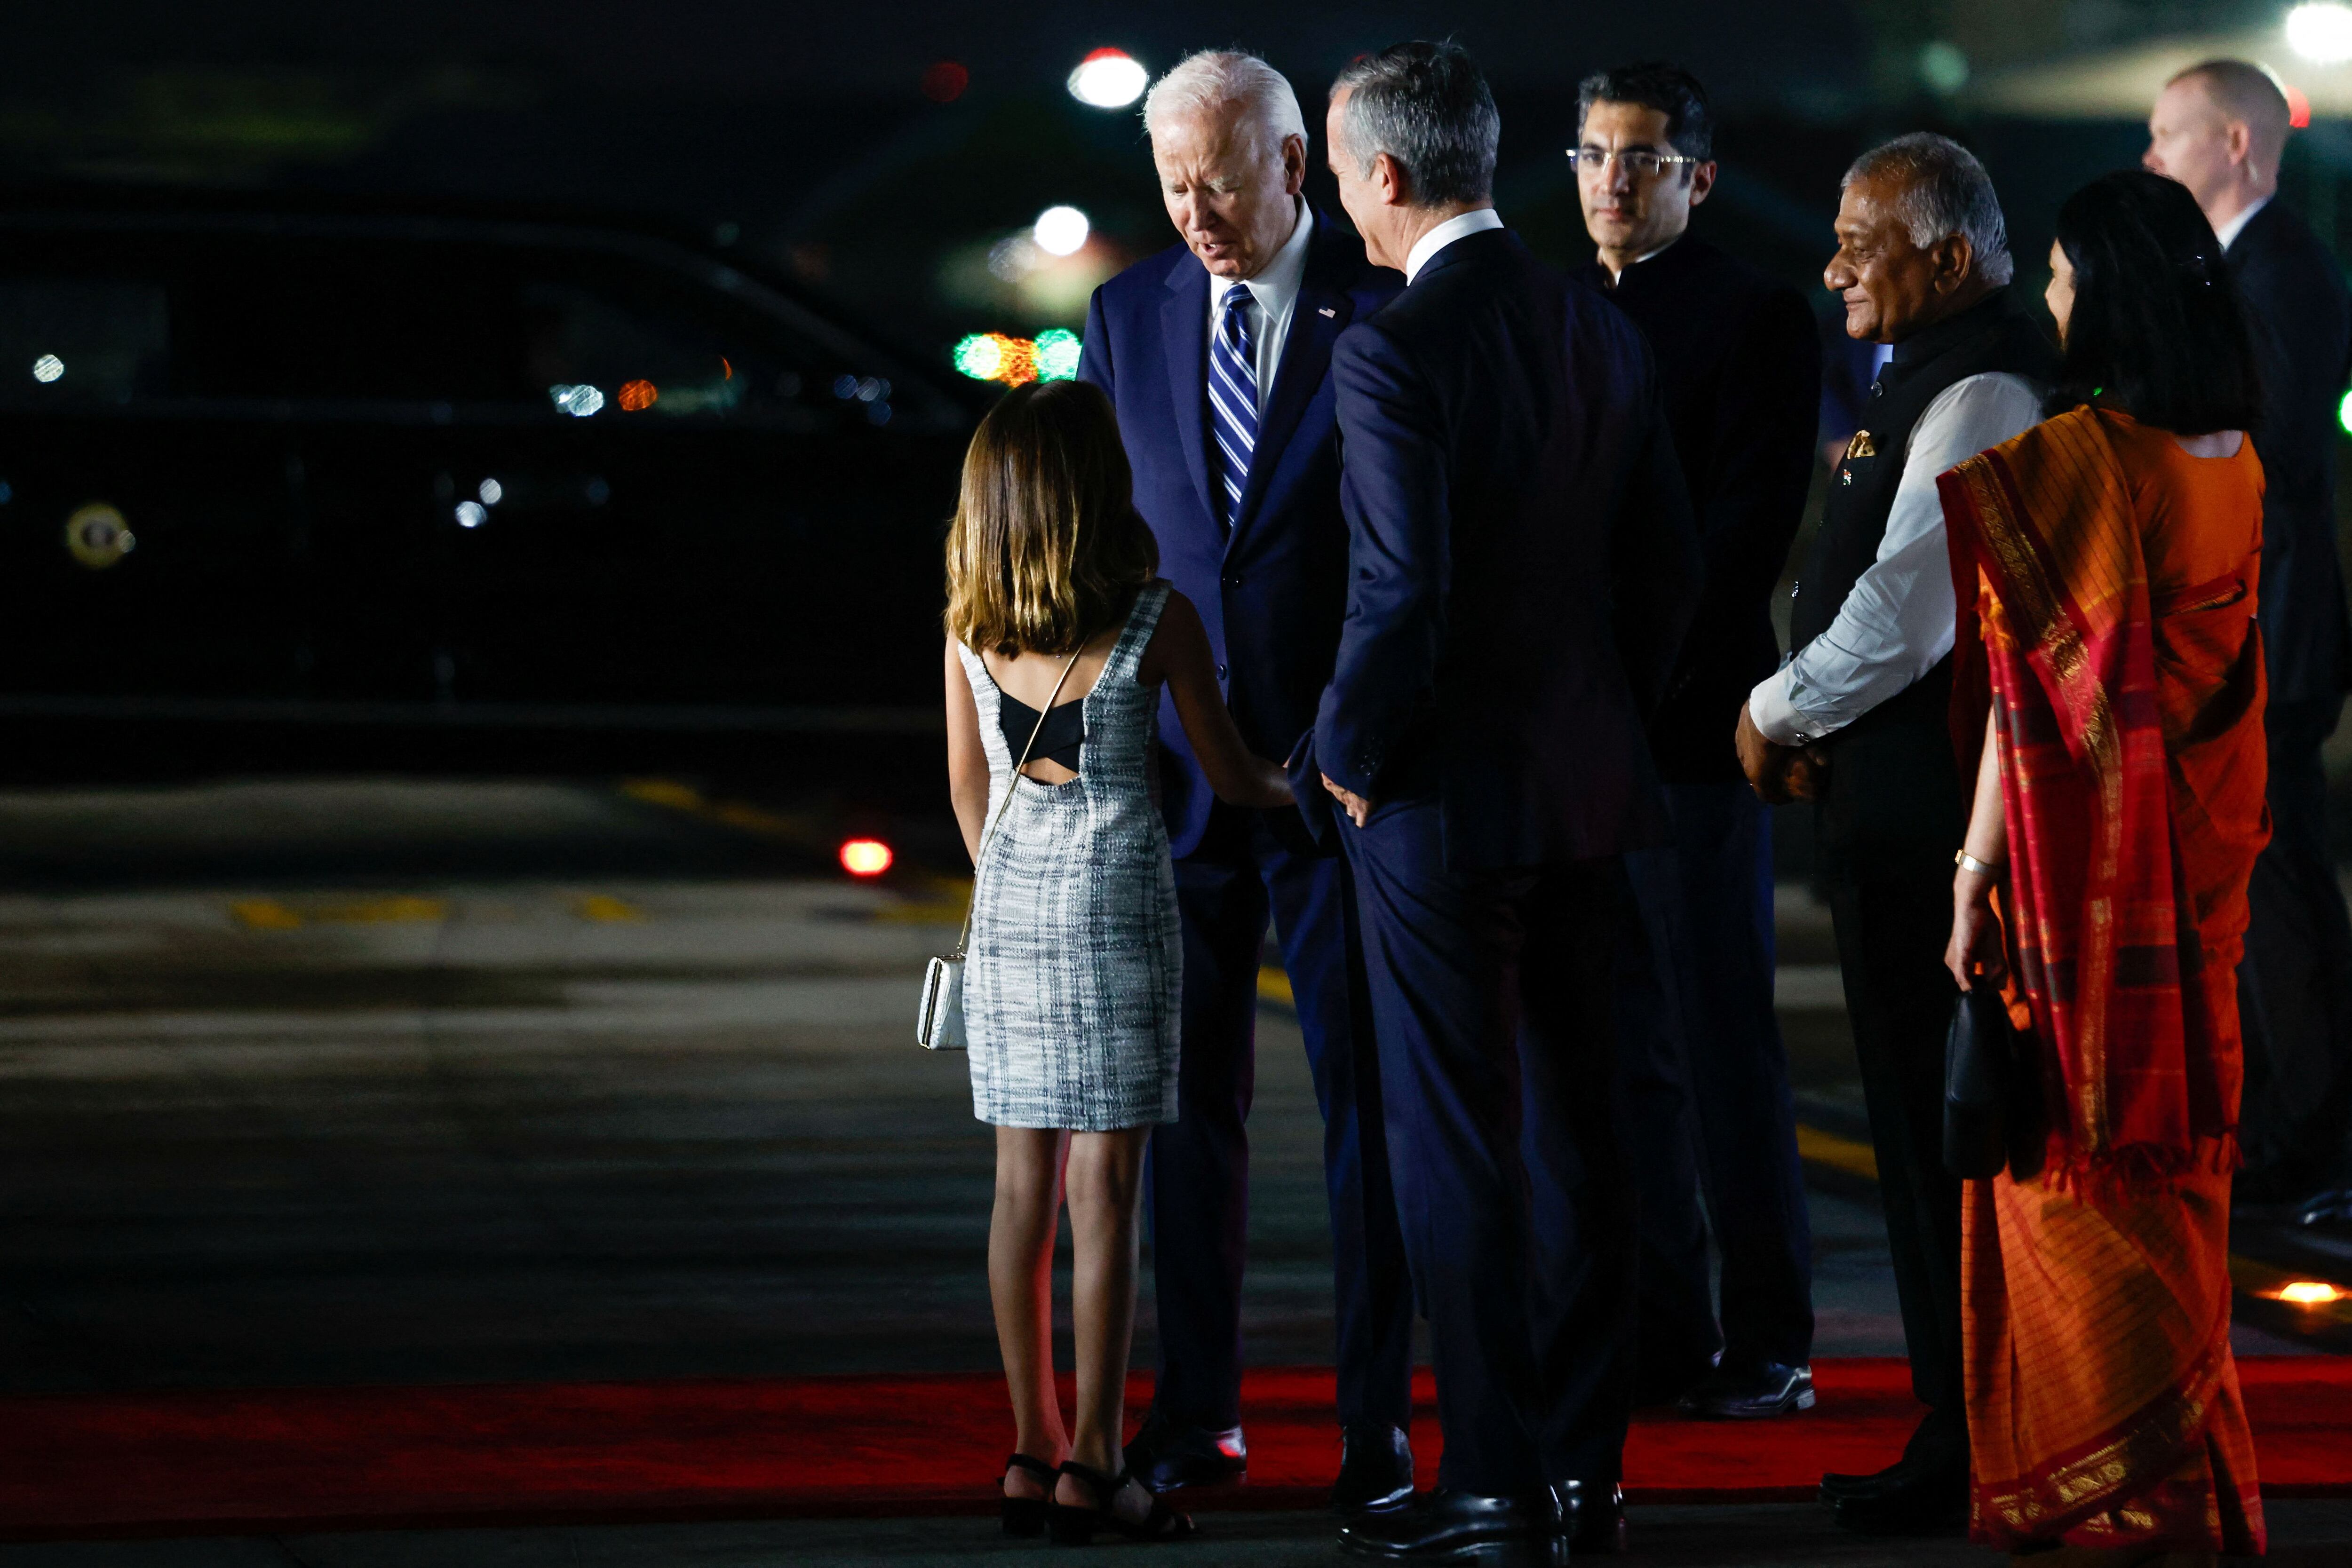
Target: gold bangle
1967,861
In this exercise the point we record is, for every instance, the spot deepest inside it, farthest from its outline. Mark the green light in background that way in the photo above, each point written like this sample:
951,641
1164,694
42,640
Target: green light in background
1057,355
980,356
2344,413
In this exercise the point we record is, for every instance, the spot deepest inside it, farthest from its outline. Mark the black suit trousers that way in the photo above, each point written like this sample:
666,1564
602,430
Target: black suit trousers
2295,986
1492,1003
1197,1172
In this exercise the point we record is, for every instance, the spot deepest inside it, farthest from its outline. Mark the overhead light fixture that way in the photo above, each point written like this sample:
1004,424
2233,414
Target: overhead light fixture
1109,78
2321,32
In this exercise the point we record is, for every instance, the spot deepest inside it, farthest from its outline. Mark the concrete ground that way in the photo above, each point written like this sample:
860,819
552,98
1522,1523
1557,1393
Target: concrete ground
411,1081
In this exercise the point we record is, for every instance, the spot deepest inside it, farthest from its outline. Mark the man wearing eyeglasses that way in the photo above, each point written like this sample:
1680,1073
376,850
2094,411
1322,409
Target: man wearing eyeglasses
1739,360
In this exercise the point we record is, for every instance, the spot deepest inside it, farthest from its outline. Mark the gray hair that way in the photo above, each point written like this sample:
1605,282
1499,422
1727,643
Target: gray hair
1211,81
1427,107
1944,190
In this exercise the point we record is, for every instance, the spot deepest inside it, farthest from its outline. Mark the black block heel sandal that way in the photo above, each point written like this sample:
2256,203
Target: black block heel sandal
1027,1515
1077,1526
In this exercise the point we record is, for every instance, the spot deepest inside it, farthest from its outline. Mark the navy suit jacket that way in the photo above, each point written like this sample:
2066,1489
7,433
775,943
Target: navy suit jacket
1272,594
2302,321
1522,563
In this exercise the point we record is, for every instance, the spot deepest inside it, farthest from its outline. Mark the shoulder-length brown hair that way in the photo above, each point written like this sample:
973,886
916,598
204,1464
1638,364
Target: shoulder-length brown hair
1047,550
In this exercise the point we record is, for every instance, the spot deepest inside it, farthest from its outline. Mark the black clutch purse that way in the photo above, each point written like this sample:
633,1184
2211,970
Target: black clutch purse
1993,1092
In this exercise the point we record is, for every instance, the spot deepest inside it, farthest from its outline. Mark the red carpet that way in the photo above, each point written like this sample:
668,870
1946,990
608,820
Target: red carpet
216,1461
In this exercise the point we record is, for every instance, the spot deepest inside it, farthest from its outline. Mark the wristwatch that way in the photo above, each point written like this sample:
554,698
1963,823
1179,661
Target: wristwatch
1967,861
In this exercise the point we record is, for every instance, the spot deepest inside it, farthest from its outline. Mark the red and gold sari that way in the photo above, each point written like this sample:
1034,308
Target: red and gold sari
2106,583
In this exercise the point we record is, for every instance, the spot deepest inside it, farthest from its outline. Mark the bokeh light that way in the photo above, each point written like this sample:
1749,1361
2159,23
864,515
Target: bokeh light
944,81
2311,1292
472,513
579,402
1061,231
635,396
2321,32
1058,354
1109,78
48,367
491,492
981,355
2344,413
2298,106
866,857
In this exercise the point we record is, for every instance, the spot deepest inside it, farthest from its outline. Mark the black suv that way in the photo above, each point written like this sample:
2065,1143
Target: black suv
294,465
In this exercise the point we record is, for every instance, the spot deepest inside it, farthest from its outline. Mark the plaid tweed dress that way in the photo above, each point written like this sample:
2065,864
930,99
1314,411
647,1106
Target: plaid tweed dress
1073,973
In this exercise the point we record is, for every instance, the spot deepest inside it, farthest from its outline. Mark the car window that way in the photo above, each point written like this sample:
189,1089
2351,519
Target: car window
630,347
80,340
373,321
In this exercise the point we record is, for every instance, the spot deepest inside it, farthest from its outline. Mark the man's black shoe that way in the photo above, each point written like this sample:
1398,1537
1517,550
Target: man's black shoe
1751,1392
2326,1210
1165,1455
1929,1501
1375,1468
1836,1486
1448,1526
1594,1513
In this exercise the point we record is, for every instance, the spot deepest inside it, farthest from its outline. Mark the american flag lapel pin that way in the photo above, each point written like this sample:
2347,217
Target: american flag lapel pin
1325,310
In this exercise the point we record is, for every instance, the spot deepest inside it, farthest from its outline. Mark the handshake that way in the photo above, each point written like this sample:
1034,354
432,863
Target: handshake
1779,774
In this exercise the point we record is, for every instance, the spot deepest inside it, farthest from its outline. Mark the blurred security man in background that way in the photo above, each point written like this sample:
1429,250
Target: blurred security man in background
2220,129
1857,720
1217,353
1740,362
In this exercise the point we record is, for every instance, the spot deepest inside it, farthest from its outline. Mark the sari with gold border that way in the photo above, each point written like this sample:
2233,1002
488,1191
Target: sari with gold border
2106,580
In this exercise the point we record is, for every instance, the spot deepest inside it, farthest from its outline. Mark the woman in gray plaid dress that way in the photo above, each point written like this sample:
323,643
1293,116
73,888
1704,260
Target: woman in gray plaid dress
1060,638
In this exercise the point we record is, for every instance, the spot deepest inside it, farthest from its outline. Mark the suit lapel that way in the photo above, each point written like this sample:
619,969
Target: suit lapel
1318,318
1184,329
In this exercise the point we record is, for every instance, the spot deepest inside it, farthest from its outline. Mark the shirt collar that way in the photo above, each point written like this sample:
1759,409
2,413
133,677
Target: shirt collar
1275,287
2228,233
1446,234
1617,278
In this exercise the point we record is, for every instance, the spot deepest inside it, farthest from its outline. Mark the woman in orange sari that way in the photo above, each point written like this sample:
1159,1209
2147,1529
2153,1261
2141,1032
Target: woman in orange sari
2112,682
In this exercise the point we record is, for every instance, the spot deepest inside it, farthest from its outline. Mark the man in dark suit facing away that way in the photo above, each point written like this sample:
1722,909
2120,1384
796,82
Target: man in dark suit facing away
1740,362
1216,354
1521,564
2220,127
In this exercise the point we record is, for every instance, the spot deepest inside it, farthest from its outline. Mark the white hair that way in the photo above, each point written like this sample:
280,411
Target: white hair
1214,81
1941,190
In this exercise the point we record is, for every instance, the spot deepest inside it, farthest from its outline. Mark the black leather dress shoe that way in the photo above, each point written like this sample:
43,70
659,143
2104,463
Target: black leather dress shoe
1751,1392
1448,1526
1375,1468
1928,1501
2326,1210
1836,1486
1595,1515
1165,1455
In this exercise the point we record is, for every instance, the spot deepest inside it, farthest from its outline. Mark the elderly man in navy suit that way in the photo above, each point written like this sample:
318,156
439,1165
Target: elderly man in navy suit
1522,562
1216,354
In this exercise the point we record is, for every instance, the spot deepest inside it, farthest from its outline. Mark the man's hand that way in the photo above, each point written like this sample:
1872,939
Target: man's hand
1357,806
1779,774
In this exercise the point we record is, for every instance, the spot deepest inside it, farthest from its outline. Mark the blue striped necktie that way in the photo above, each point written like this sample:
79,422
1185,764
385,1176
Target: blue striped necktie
1233,396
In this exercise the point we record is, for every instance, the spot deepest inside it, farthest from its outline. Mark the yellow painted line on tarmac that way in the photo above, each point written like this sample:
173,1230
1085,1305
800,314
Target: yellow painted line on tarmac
948,897
673,795
1817,1147
604,907
269,914
1273,986
263,914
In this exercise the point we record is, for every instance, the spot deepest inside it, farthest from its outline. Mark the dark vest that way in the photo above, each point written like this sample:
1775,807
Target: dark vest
1894,782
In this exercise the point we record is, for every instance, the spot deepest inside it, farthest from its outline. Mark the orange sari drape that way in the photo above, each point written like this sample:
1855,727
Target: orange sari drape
2107,583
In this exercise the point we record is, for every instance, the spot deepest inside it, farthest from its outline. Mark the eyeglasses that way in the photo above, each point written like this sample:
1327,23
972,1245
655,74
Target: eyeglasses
1640,162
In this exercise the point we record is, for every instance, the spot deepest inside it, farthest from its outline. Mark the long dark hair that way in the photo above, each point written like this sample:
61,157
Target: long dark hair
2157,330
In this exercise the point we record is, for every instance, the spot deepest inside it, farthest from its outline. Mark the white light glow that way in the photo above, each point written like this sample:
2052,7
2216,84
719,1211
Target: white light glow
472,513
1109,78
1061,231
2322,33
48,367
492,492
579,402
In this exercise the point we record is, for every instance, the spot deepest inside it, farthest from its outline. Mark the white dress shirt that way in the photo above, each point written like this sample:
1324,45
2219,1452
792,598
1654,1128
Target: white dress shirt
1446,234
1899,619
1275,289
2228,233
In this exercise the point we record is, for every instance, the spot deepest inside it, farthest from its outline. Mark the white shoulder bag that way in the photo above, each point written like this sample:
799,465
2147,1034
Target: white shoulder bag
939,1026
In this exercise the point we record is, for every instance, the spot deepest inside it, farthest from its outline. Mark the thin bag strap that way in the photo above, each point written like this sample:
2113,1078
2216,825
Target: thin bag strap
1012,783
